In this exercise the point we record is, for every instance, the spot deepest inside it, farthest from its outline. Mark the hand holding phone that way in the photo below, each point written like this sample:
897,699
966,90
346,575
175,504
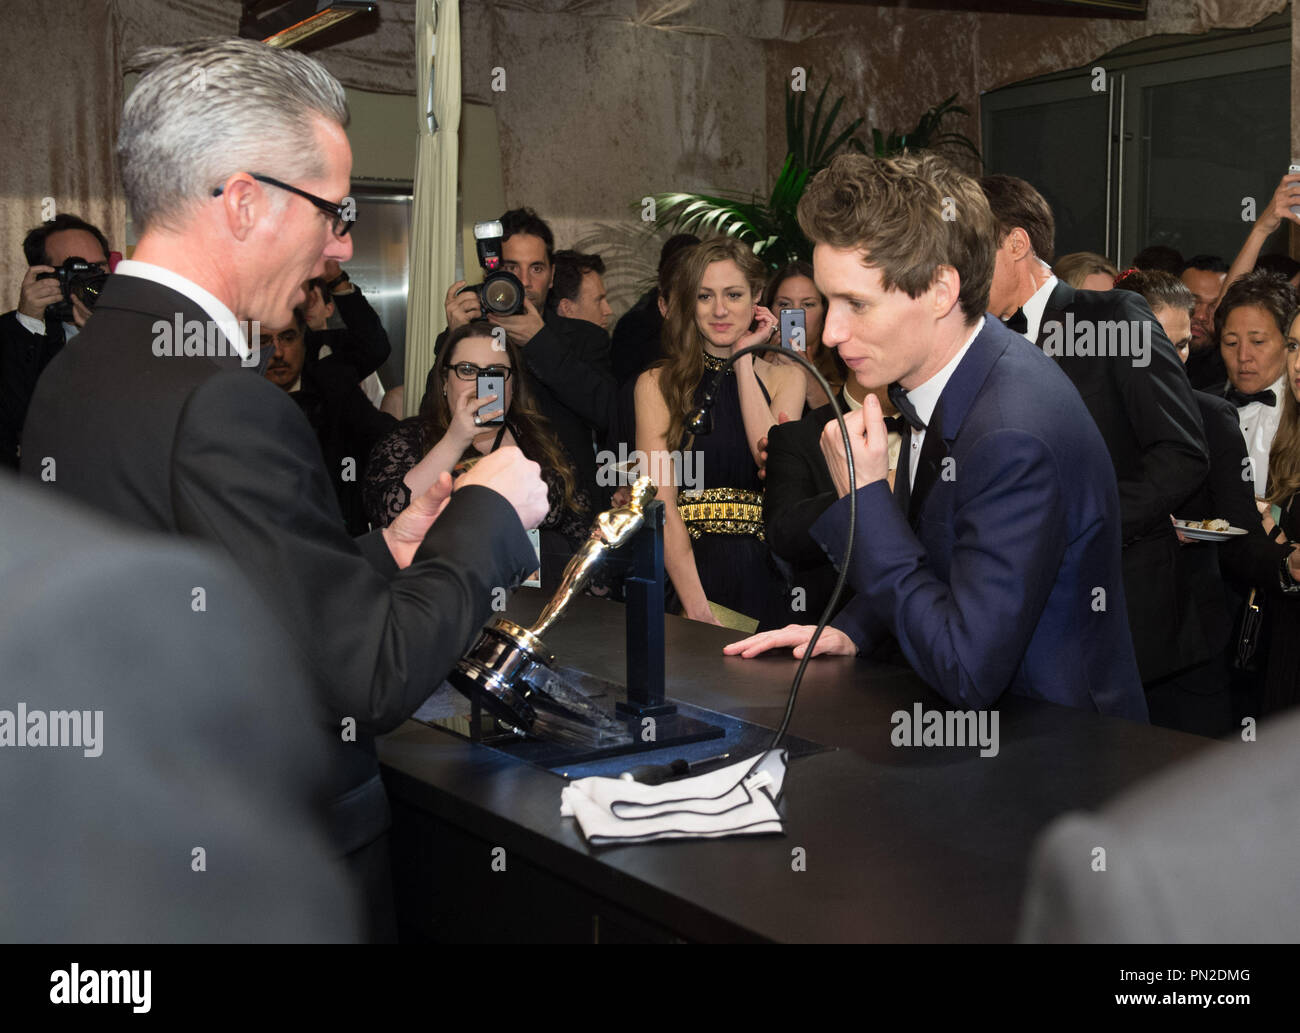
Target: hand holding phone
794,333
494,412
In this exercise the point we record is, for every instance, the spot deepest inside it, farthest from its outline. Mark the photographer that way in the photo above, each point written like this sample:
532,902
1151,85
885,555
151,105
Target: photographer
32,334
361,341
566,361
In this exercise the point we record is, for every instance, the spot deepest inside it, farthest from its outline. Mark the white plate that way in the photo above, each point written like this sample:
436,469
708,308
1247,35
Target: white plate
1201,535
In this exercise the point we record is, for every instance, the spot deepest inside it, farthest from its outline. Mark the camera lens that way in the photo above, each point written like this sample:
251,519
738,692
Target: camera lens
503,295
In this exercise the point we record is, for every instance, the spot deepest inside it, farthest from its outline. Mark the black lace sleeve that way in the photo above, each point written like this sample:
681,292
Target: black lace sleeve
384,493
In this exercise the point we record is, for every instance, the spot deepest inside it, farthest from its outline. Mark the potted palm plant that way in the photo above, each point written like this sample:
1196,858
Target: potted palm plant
770,226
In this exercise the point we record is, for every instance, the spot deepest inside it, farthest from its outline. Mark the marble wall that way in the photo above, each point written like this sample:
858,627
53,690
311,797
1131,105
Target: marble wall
609,100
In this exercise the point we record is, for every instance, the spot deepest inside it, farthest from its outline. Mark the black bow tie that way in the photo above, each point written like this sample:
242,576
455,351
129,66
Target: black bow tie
898,395
895,424
1017,321
1239,398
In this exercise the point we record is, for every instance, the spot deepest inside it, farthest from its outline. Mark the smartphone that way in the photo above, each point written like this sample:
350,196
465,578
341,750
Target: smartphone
494,412
535,578
794,334
1295,209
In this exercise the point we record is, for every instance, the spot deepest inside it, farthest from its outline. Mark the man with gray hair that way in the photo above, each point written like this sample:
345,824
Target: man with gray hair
236,167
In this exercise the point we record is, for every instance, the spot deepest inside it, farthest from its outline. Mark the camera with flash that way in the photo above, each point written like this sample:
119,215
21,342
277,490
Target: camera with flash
501,292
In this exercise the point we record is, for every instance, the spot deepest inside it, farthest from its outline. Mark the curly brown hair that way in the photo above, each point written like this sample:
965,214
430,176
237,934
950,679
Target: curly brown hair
524,420
682,366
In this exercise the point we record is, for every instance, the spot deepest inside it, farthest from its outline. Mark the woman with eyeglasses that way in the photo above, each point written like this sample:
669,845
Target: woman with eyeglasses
452,432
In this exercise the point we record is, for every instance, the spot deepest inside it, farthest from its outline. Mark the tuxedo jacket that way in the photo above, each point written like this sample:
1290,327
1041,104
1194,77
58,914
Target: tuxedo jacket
362,341
797,490
1007,576
23,357
1253,559
348,427
1151,425
635,341
203,447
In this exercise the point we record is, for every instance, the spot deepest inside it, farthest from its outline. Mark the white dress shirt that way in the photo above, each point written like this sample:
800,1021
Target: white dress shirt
1033,308
925,397
35,326
894,438
1258,424
215,309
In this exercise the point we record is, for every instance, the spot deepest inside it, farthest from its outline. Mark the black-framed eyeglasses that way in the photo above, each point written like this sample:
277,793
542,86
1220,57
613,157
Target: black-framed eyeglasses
341,223
469,371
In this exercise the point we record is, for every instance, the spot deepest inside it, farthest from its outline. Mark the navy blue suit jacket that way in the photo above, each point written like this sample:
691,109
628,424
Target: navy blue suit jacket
1011,580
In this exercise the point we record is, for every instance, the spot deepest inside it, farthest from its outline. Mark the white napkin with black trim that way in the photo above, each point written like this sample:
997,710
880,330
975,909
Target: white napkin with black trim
738,800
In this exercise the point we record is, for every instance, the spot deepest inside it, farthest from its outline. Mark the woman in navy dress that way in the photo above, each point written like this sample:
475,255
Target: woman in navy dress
713,535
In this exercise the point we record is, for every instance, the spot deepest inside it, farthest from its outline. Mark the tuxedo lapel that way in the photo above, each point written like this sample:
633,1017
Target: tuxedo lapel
1061,298
955,402
933,451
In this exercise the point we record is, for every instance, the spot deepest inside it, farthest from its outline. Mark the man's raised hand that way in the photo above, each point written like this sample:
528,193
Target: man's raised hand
516,478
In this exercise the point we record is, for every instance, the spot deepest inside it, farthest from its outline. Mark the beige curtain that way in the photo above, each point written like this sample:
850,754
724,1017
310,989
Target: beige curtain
58,119
433,216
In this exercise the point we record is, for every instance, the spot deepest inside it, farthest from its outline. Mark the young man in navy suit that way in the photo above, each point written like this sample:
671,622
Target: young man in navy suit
995,562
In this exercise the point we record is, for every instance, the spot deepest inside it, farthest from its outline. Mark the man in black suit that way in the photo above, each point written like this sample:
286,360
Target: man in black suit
32,334
151,414
567,360
346,423
361,341
1133,384
188,807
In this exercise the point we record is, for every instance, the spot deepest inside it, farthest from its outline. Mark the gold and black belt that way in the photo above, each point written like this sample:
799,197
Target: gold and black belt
722,511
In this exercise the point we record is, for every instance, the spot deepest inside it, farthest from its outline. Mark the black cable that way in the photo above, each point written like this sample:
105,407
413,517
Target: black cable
700,424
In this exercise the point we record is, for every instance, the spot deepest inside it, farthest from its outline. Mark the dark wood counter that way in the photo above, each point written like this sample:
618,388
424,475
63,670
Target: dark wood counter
899,843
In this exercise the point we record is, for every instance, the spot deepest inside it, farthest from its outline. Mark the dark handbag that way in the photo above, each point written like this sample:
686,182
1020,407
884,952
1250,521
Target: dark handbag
1249,631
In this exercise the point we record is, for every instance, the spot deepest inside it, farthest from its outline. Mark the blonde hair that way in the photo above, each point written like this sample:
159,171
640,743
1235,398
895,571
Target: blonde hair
1284,453
1077,266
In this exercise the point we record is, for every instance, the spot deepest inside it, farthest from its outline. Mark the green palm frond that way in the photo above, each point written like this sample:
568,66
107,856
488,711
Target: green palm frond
771,227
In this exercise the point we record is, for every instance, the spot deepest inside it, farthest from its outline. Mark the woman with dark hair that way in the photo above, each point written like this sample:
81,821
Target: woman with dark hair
1251,324
1258,327
714,550
793,287
449,435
